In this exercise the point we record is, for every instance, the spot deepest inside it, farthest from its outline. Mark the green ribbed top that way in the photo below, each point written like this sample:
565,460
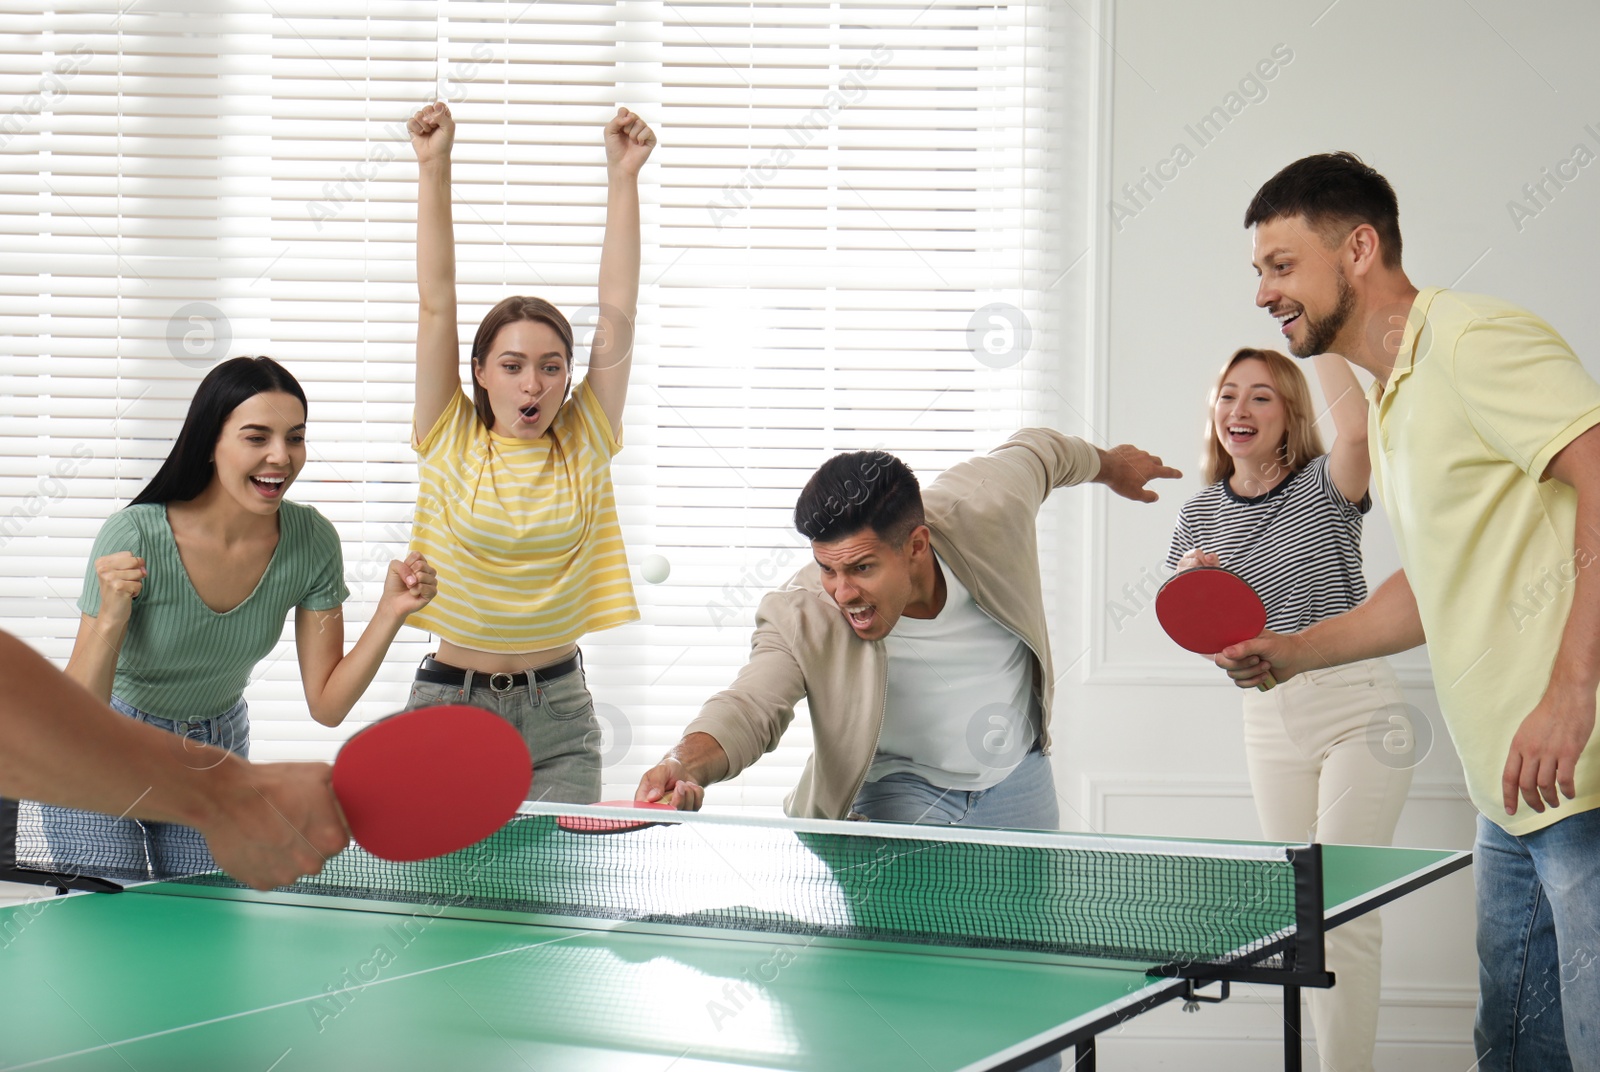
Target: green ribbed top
181,659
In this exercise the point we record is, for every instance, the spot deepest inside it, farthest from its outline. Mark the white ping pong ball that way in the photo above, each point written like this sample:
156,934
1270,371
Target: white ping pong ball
654,568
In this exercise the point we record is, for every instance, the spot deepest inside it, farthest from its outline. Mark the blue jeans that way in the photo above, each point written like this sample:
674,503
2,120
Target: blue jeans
1025,800
1539,947
556,719
132,850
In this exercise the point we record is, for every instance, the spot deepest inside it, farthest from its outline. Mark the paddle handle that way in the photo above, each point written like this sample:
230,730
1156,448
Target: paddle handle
1270,682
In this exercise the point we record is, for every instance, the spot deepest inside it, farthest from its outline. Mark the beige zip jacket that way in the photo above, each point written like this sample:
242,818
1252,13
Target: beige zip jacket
982,514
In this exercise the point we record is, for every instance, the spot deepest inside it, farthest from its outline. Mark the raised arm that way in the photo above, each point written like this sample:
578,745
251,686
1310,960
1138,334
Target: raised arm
335,679
433,132
628,144
1348,462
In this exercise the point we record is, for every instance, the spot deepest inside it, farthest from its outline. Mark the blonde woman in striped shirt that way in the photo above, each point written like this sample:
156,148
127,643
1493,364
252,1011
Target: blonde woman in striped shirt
515,507
1287,517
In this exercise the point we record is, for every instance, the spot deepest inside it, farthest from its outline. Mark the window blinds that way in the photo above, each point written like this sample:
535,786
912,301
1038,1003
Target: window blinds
851,238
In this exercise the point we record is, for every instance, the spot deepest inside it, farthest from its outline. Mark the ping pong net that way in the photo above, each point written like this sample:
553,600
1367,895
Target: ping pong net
1191,908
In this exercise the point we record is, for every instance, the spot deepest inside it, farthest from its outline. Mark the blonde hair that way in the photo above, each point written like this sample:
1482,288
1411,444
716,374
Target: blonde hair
1301,441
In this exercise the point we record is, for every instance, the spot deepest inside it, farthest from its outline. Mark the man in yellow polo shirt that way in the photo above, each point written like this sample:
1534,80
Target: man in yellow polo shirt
1485,440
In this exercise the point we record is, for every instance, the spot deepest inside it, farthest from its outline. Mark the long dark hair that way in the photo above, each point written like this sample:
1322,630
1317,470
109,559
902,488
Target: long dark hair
189,469
510,311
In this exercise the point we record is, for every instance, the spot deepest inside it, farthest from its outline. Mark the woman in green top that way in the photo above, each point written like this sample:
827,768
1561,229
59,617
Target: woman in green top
188,590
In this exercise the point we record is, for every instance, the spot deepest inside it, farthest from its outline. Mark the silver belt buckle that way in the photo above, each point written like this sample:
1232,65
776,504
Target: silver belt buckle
501,682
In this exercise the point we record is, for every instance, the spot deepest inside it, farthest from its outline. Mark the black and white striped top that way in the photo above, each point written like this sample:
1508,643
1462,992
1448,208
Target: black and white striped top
1298,546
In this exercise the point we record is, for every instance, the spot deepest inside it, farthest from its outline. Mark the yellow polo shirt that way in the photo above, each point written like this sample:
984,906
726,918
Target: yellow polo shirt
1483,396
523,532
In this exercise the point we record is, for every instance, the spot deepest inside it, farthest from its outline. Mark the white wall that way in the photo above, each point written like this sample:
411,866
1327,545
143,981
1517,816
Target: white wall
1459,105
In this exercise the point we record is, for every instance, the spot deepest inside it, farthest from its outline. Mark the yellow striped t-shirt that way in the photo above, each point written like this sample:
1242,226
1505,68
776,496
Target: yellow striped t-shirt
524,533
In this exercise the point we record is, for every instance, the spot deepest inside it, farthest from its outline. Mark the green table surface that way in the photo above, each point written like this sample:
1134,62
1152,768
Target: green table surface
163,979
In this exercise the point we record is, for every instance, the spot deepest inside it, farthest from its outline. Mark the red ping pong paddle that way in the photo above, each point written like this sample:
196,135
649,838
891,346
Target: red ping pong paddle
583,824
430,781
1207,609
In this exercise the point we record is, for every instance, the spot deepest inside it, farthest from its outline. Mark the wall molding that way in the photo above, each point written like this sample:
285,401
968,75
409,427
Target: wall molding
1097,327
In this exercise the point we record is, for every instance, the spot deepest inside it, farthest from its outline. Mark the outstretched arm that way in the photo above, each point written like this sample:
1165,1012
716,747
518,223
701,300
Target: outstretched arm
1348,462
1126,470
736,726
266,824
1387,623
433,132
629,142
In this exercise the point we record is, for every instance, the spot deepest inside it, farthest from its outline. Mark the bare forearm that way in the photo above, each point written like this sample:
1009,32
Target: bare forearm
619,253
93,663
60,745
436,247
702,758
1386,624
1577,663
353,673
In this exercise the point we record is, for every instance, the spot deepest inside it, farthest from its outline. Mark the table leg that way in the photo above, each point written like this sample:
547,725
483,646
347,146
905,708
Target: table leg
1083,1059
1291,1029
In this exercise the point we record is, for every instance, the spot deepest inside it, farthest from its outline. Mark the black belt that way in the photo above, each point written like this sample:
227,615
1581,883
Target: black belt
437,673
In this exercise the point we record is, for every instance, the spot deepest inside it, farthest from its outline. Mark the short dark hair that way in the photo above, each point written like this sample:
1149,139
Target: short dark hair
1335,192
510,311
188,469
867,489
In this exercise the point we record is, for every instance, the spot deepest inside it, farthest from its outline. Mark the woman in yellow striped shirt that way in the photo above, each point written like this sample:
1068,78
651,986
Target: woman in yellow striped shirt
515,509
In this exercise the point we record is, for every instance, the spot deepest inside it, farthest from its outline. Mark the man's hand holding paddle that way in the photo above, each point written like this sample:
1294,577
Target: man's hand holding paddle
683,773
412,786
1386,624
1208,609
1278,656
271,823
670,784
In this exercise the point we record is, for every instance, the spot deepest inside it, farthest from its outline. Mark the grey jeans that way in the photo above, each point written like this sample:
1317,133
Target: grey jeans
556,718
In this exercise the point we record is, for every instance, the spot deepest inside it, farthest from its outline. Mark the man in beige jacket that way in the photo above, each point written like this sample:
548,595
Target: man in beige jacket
917,637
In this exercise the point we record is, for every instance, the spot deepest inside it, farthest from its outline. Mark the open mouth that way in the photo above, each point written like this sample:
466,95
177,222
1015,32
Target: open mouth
269,486
1239,433
1287,319
529,414
861,618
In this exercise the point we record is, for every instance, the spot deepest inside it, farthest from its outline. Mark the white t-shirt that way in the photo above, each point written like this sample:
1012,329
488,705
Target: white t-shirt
960,711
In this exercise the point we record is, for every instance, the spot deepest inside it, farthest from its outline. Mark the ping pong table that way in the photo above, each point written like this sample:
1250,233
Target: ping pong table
705,943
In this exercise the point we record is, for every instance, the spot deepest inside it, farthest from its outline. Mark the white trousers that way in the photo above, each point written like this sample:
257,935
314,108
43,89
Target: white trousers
1324,767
